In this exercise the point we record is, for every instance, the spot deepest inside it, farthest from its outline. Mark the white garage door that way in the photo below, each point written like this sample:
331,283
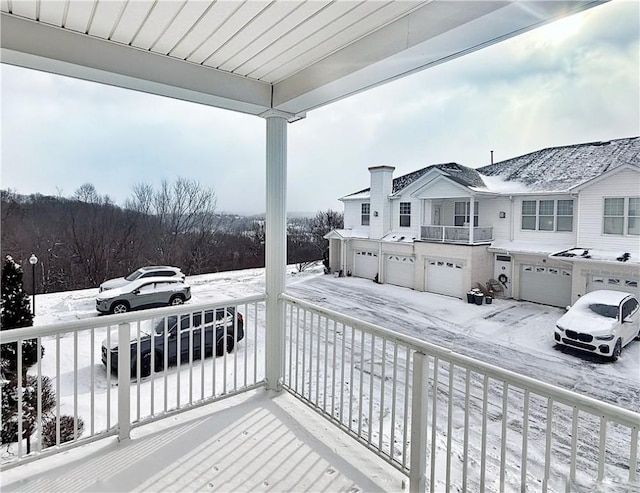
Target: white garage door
546,285
365,264
614,283
399,270
444,277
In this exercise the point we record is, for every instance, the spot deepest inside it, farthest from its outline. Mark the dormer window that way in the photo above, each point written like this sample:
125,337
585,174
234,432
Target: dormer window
365,214
405,214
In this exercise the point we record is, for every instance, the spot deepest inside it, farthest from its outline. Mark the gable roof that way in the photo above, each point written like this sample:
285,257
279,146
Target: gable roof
467,177
553,169
561,168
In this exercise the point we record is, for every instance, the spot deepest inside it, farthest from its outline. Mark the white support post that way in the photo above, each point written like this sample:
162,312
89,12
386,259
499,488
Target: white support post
419,406
472,211
276,246
124,382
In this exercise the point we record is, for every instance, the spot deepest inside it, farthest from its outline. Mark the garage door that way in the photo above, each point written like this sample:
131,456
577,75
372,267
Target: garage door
546,285
399,270
365,264
444,277
614,283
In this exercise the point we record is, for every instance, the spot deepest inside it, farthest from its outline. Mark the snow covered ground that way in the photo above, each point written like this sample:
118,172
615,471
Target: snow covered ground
517,336
514,335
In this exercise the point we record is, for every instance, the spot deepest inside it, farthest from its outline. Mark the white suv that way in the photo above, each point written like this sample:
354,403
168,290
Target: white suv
142,273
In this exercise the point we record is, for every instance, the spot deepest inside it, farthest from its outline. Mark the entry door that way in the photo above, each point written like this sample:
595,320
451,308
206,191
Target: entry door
503,273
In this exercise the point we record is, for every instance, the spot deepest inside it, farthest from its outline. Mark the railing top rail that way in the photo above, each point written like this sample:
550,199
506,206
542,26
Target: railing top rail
558,394
7,336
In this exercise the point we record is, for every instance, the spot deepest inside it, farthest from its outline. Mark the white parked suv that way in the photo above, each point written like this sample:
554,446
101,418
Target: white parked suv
600,322
144,293
142,273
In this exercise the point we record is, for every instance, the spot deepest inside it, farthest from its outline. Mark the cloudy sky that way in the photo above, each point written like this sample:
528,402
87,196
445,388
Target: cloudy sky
577,80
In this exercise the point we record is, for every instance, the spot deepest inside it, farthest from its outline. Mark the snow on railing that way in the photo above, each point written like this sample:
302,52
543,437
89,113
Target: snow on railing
450,422
71,398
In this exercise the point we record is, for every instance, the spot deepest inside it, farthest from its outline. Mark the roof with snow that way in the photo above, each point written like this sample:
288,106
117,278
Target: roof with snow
552,169
560,168
467,177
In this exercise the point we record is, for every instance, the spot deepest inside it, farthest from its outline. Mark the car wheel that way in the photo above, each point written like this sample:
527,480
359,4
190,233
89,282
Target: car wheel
220,346
616,351
176,300
119,307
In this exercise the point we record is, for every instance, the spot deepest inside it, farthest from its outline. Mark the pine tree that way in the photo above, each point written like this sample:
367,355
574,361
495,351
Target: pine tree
15,312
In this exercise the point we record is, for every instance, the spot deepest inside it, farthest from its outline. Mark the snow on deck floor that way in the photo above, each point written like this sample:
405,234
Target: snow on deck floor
257,441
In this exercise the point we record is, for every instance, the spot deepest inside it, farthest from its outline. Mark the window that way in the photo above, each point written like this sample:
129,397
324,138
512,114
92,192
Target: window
405,214
547,215
633,220
529,214
629,308
621,215
546,209
614,216
365,214
564,215
461,214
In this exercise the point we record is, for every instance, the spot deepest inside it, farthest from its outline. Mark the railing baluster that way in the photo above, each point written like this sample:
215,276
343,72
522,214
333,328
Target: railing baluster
547,454
371,379
361,386
108,392
382,389
289,306
449,427
235,351
298,346
394,395
75,385
190,350
319,332
255,342
602,449
483,449
434,423
574,442
633,454
503,444
165,367
405,409
203,350
152,363
465,446
19,390
138,370
57,389
525,442
93,381
351,370
326,364
39,396
344,337
333,368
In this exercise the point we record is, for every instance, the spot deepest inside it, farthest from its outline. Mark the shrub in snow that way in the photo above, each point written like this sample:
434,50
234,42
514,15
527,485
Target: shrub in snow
29,390
67,424
15,312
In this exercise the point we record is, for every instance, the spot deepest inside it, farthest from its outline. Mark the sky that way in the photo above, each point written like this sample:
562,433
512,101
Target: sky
573,81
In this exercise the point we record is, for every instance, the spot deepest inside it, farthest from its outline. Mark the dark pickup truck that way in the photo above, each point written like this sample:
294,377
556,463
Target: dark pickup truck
223,334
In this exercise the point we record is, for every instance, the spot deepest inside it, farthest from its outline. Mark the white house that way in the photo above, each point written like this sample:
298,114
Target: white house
549,226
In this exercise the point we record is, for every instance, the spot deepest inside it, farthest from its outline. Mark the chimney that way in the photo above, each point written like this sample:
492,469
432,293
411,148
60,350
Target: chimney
380,214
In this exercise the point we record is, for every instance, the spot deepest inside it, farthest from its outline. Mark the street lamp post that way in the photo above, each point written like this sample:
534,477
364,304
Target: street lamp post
33,260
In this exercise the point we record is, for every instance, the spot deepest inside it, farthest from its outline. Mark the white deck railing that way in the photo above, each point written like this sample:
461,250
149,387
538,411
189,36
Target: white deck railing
449,421
111,403
455,234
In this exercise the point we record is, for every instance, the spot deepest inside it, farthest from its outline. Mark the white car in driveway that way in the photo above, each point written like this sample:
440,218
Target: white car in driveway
600,322
142,273
144,293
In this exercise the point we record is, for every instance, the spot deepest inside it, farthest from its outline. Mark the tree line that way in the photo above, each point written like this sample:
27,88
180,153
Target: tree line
84,239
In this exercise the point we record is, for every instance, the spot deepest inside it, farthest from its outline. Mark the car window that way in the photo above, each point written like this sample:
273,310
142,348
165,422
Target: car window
134,275
629,308
609,311
146,288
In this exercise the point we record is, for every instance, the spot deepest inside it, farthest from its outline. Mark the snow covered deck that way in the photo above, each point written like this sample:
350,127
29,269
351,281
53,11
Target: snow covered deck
256,441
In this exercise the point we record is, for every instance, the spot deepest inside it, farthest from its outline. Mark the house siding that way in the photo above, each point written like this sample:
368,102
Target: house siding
353,215
550,238
414,229
623,184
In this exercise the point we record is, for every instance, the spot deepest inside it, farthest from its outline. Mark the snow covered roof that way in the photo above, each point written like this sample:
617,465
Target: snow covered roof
560,168
344,234
398,237
582,254
505,246
553,169
467,177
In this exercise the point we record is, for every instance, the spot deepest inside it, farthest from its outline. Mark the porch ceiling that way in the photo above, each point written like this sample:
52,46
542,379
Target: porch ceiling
256,55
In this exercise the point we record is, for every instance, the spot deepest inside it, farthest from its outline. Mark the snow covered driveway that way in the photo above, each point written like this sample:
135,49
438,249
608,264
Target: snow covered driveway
511,334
